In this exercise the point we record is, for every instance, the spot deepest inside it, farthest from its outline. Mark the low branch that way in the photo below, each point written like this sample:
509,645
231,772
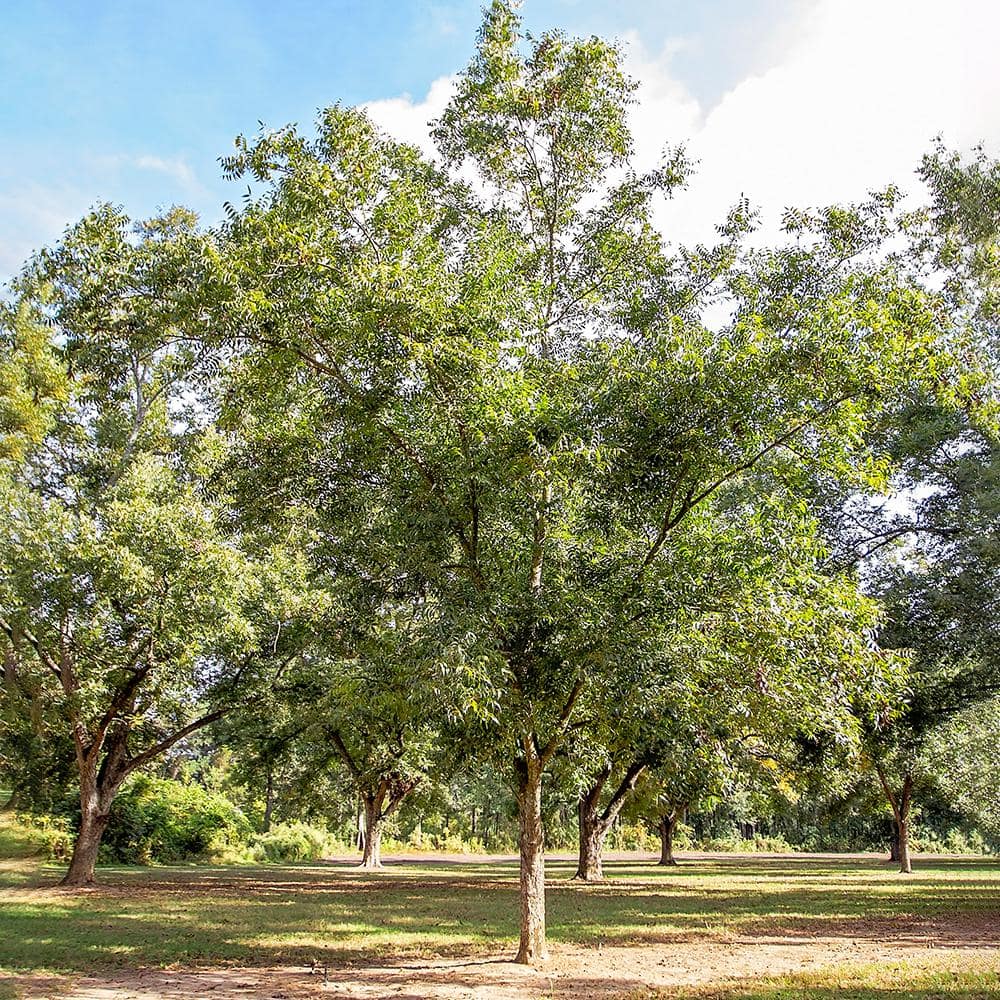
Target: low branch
46,659
164,745
553,745
341,746
628,782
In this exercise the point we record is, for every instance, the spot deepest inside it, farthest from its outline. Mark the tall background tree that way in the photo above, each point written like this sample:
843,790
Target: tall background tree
124,604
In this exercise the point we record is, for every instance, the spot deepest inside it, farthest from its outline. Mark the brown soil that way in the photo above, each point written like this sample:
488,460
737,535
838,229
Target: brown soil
597,973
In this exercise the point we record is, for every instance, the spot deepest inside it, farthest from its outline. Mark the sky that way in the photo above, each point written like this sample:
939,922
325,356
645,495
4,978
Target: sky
790,102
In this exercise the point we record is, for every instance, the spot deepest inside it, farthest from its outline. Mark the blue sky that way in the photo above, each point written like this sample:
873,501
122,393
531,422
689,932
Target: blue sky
134,102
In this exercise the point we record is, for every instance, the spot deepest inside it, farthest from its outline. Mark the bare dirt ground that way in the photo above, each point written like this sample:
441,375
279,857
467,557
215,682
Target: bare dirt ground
597,973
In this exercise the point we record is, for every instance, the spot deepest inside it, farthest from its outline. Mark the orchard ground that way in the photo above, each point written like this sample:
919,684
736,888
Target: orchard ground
748,926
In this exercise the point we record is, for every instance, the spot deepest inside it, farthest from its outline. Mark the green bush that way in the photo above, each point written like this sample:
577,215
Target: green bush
286,842
159,820
25,834
56,836
632,837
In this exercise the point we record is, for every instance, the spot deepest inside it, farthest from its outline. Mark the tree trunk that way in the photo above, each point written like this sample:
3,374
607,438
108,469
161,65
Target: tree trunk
98,788
95,811
372,856
532,849
667,825
894,843
903,825
590,866
13,803
900,804
905,867
268,801
595,825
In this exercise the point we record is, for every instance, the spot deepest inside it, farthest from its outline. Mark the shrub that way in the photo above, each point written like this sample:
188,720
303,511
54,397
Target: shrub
48,836
286,842
632,837
159,820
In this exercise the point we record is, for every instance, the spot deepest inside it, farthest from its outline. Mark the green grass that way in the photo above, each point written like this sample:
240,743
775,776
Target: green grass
289,915
905,980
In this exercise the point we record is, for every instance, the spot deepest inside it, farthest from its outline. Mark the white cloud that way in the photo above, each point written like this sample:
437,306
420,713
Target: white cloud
854,94
409,120
176,168
33,216
851,95
850,105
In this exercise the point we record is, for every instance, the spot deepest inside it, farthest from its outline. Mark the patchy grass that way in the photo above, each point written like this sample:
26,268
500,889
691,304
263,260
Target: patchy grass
292,914
904,980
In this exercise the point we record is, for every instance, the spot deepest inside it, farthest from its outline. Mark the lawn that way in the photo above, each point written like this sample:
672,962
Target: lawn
434,910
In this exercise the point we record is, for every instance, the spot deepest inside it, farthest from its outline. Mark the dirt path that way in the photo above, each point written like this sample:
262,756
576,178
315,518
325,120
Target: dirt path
597,973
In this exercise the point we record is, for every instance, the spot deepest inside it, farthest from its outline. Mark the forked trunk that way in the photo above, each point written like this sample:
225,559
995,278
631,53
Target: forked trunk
595,823
900,802
95,810
532,849
667,825
103,762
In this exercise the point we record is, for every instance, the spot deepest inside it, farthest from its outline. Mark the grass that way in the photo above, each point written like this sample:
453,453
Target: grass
909,980
290,915
276,915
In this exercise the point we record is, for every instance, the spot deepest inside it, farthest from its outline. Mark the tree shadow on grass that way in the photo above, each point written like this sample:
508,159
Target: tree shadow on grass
267,916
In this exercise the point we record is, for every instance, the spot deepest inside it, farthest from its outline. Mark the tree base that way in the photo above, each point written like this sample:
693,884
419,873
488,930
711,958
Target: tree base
76,882
523,958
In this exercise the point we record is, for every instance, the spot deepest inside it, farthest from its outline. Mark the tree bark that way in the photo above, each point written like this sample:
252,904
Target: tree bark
97,792
268,801
594,823
904,801
667,825
900,804
590,866
99,784
894,843
532,946
13,803
379,802
372,853
88,843
905,865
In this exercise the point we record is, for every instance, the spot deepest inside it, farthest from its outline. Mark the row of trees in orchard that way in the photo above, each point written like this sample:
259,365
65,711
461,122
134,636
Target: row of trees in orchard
441,464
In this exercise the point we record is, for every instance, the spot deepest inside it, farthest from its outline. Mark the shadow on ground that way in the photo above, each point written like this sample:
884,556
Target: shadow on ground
290,916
